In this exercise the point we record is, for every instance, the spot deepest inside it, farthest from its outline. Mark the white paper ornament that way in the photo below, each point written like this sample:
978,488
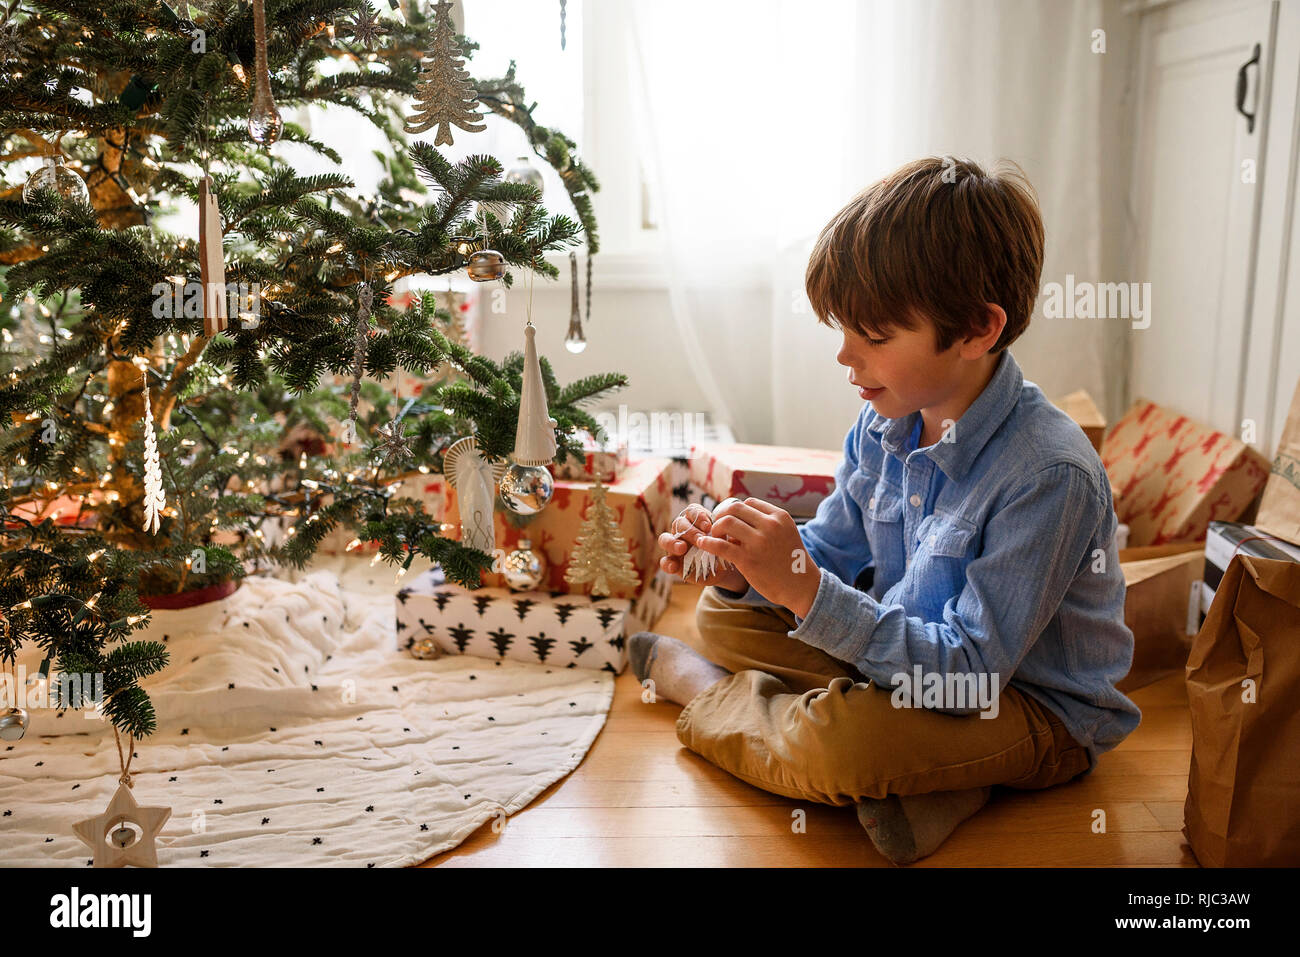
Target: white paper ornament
155,500
474,479
699,565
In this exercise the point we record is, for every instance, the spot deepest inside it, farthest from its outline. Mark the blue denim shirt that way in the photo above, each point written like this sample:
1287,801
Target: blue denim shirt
993,552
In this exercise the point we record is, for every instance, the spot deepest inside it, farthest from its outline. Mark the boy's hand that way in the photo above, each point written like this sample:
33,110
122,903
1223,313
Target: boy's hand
694,521
763,542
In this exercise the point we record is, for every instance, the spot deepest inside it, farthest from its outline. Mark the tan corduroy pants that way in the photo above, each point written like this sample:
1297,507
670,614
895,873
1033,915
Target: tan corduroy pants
797,722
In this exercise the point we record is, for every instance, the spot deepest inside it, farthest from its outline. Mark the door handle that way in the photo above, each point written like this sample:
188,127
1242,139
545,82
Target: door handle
1241,90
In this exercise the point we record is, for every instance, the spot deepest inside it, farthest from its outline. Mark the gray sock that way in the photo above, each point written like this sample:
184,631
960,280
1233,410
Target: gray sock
679,672
906,828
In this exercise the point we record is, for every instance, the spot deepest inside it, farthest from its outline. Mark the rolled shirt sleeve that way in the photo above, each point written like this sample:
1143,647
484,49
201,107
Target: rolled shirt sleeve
1034,546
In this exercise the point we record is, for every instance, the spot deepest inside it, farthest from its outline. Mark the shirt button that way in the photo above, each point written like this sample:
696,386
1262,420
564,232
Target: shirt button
915,500
872,503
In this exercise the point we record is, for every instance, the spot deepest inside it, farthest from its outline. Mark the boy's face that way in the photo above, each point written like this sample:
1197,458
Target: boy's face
900,373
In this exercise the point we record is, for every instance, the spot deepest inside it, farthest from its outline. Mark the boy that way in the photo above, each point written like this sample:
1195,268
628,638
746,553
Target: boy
953,617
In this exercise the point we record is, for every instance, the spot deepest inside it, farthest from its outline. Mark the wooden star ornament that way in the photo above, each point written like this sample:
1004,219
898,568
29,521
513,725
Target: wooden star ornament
125,833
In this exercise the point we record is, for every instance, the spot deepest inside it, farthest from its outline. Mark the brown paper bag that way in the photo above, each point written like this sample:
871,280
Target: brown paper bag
1279,510
1243,791
1157,593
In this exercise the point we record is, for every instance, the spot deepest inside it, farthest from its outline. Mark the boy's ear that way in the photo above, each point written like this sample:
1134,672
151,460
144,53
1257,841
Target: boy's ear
995,320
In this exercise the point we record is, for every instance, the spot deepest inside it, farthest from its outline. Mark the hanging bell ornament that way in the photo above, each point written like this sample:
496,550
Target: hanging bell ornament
13,723
56,178
523,568
486,265
525,172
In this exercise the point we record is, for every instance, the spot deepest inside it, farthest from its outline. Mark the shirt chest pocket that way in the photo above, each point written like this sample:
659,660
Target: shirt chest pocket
945,545
946,536
883,511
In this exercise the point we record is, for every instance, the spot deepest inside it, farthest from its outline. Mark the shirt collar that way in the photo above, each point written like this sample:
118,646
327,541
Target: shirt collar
972,431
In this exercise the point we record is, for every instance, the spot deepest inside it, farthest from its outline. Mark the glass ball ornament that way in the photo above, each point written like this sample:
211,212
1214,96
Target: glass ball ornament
575,340
525,172
58,179
264,121
523,568
485,265
13,723
426,649
526,489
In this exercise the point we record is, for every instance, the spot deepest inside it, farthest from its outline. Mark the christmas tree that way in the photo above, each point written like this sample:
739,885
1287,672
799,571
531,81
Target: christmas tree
131,105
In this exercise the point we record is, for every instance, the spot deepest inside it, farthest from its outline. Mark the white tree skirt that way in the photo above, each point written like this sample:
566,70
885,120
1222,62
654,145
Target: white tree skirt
266,761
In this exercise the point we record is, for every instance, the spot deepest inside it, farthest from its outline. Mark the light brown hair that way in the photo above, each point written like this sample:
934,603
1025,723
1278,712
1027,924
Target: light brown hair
939,237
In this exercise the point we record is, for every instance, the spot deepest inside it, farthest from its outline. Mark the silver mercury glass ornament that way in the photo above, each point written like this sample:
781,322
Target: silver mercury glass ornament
13,723
523,568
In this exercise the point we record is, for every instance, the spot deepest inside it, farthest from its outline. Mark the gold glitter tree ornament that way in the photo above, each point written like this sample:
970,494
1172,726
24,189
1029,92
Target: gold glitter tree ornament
445,95
600,557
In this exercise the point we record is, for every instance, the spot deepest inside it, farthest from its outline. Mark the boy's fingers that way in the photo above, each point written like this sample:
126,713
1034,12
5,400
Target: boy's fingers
721,547
733,527
762,506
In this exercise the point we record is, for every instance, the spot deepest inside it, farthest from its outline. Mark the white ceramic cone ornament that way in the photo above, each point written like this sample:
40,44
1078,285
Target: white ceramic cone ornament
527,485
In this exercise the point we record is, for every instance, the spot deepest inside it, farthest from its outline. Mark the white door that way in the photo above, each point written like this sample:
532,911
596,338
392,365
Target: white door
1194,211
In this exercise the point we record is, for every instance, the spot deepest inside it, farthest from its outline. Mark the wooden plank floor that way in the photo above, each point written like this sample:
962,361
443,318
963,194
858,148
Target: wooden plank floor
641,799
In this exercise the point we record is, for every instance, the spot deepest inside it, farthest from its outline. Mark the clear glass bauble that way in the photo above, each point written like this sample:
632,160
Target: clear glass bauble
264,121
523,568
526,489
525,172
56,178
575,340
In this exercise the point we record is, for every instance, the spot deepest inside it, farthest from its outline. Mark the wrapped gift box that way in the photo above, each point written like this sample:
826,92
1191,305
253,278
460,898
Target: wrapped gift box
641,500
795,479
1172,476
568,631
1080,407
605,461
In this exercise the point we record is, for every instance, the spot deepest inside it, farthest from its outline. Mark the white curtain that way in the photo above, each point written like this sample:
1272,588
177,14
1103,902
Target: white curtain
760,119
